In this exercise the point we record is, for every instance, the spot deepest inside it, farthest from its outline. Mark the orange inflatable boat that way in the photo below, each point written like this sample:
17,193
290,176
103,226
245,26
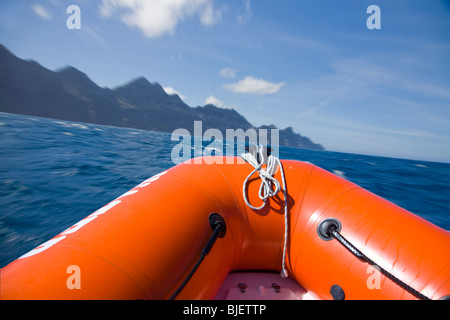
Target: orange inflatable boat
191,233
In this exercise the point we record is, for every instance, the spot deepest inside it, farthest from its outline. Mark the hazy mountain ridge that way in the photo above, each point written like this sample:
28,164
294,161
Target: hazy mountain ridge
69,94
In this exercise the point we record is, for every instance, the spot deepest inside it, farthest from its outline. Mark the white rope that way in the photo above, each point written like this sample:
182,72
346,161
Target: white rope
269,188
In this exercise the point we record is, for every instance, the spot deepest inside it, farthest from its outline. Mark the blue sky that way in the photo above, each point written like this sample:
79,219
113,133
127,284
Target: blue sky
312,65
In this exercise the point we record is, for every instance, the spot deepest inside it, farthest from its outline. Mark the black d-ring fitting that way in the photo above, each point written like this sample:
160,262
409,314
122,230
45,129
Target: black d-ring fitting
216,220
325,228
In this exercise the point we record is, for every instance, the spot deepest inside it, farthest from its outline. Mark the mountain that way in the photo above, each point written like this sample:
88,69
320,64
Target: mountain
28,88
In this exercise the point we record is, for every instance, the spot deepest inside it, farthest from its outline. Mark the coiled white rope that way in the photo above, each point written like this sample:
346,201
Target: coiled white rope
270,187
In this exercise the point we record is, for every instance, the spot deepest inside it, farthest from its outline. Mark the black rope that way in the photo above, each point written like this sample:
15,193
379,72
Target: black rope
333,232
218,229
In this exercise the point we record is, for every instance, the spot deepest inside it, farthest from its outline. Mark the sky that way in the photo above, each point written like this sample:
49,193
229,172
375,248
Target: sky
313,65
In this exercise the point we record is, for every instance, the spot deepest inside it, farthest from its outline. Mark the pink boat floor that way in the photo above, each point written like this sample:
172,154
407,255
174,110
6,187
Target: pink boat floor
260,286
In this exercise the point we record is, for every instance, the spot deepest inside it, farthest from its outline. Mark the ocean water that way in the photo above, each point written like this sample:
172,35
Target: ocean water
54,173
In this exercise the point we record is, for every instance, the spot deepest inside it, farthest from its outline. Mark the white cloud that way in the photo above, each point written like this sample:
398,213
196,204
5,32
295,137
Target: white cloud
228,73
158,17
209,16
247,14
41,12
218,103
171,91
254,86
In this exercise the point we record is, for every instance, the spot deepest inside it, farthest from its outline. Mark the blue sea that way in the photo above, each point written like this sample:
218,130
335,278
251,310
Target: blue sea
54,173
